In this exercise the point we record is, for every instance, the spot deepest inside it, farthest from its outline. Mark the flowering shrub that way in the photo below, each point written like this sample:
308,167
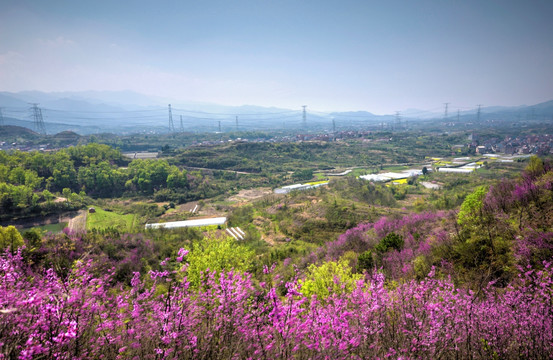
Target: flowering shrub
227,316
413,236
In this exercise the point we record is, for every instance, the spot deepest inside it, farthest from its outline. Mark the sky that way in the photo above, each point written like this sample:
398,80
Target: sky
378,56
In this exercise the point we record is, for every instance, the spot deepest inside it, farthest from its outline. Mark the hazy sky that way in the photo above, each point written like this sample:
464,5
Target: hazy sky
379,56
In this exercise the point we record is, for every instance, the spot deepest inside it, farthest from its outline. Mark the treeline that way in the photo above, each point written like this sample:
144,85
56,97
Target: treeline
29,179
371,151
279,157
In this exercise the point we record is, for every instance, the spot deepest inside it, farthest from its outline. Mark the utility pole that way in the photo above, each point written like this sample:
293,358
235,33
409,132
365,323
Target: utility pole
478,114
171,124
445,111
181,125
398,120
304,117
37,119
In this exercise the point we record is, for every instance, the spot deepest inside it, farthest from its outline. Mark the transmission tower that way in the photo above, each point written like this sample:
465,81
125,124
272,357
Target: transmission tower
304,117
1,118
398,120
478,114
458,115
219,125
236,122
181,125
37,119
171,124
445,111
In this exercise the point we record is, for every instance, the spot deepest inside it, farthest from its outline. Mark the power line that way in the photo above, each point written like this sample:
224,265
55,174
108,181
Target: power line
106,112
233,114
159,110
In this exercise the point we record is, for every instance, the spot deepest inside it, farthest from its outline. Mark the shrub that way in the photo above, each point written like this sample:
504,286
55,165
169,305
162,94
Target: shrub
390,241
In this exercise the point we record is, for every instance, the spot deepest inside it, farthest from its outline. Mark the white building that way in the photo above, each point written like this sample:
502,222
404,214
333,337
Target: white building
188,223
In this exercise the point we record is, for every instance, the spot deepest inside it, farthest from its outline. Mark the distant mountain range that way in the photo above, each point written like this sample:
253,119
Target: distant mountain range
127,112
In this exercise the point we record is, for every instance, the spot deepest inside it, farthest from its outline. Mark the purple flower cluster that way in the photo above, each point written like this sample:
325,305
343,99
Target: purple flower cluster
228,316
420,233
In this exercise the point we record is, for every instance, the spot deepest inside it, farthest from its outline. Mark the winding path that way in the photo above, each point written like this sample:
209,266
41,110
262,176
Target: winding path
78,223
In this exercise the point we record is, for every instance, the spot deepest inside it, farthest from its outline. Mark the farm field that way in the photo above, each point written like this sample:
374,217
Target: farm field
102,219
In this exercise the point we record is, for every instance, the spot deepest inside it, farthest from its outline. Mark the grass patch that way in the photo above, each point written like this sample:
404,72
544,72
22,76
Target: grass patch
102,219
53,228
360,171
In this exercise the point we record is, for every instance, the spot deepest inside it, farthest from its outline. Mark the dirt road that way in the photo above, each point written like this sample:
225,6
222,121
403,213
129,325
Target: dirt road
78,223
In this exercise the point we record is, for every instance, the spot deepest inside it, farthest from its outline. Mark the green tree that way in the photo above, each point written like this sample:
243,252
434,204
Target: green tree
306,174
217,254
33,237
64,174
10,237
471,209
48,196
390,241
535,166
177,179
329,278
365,261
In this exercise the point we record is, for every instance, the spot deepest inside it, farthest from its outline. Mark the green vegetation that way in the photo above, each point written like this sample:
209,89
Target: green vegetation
329,278
216,254
10,238
391,241
54,228
101,220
